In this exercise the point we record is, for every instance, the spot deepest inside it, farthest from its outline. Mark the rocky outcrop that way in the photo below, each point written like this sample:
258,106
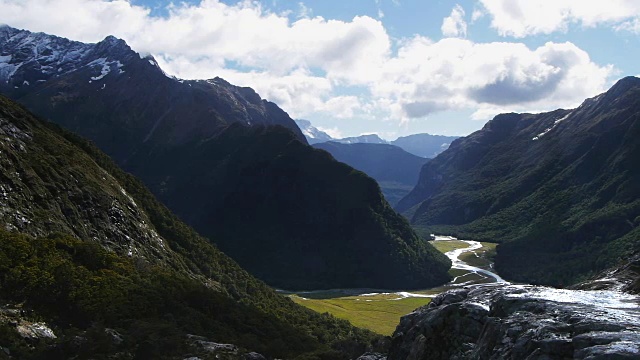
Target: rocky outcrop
625,277
521,322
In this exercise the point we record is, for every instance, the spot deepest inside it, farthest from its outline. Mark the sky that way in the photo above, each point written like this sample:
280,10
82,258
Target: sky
390,67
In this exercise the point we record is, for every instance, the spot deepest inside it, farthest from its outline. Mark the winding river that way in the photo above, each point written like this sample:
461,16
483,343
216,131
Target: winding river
454,256
483,276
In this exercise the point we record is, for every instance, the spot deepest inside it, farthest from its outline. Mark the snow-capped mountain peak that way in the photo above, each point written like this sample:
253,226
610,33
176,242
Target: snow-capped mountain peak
27,58
313,134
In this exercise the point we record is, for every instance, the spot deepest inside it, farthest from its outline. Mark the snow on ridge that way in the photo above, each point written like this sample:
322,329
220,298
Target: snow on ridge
555,124
106,67
47,54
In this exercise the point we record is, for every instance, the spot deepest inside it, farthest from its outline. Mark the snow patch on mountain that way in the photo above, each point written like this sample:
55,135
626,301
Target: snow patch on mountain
6,68
555,124
313,134
30,58
363,139
105,67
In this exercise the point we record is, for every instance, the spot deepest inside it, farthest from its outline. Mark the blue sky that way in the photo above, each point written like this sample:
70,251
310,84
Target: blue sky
392,67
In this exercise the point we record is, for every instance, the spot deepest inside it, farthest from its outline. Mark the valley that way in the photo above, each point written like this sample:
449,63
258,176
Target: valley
381,310
191,218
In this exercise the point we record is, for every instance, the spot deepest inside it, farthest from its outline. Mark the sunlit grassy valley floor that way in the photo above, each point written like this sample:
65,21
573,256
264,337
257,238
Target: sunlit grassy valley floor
379,310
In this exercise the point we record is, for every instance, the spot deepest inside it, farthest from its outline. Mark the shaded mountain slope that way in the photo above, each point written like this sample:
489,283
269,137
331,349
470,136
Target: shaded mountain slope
208,151
107,254
290,214
561,190
395,170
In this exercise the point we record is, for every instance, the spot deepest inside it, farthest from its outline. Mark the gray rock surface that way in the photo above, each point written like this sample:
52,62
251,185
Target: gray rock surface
521,322
372,356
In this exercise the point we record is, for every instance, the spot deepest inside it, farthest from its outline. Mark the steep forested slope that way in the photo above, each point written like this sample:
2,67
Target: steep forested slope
290,214
395,170
87,247
560,190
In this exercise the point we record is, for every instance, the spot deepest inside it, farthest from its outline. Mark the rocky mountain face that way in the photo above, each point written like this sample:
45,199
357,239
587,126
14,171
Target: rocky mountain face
123,277
521,322
119,99
312,133
42,194
395,170
559,190
209,150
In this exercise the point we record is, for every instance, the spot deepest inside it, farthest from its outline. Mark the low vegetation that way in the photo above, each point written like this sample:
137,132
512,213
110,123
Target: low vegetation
449,245
378,313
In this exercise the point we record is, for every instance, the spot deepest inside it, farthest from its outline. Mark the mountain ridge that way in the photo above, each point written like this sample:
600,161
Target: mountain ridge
424,145
235,167
558,189
47,65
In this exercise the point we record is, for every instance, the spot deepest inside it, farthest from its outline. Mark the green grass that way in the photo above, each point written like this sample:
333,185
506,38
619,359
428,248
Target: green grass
377,313
482,257
381,313
448,245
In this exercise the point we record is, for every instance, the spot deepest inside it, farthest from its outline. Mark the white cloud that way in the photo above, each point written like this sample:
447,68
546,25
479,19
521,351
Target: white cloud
477,14
454,25
520,18
322,67
334,132
453,73
304,12
342,107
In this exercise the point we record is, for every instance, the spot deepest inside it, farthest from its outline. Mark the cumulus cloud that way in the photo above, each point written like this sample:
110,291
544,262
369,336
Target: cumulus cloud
454,73
342,69
454,25
520,18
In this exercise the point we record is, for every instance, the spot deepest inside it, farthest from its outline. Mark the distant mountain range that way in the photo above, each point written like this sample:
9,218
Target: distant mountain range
560,190
395,165
232,165
423,145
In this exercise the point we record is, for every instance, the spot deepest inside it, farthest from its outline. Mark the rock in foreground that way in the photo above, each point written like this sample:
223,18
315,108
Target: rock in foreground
521,322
